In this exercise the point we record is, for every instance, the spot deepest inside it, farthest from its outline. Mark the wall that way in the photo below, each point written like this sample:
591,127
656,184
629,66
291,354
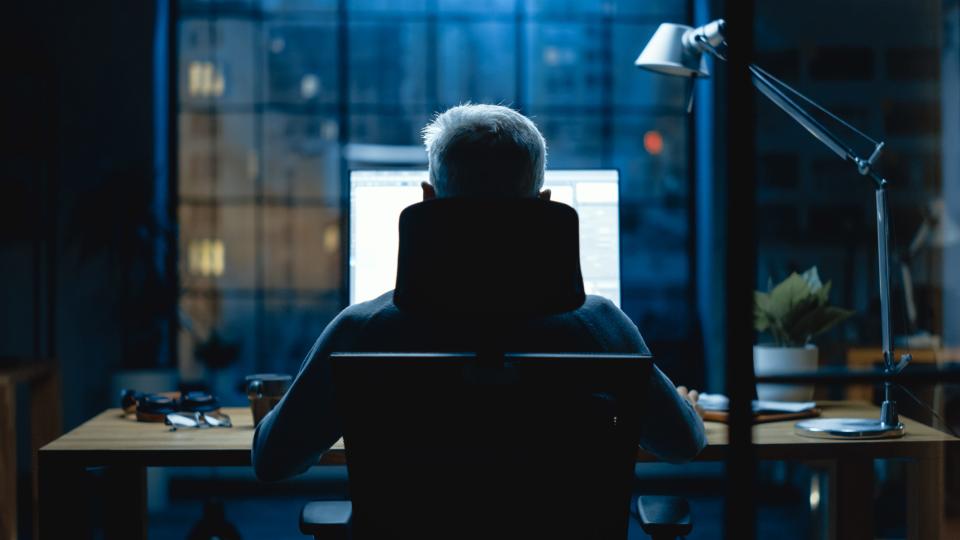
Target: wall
875,64
85,168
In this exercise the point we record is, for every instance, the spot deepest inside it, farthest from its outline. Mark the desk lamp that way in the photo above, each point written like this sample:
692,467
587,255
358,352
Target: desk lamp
677,50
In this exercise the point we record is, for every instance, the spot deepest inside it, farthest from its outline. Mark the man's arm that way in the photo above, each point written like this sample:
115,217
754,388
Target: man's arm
671,428
290,439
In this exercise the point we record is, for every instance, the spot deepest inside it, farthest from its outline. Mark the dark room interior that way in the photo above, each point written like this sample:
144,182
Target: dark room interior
264,273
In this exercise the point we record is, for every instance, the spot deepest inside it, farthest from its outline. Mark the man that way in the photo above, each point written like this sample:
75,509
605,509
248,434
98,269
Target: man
475,152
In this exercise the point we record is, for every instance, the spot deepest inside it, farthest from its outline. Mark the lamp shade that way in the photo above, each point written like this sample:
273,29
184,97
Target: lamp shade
669,53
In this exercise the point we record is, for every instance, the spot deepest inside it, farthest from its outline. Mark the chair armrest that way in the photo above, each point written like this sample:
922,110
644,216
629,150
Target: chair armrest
664,517
327,520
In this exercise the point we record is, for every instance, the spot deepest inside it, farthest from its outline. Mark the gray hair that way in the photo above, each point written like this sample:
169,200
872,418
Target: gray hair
485,150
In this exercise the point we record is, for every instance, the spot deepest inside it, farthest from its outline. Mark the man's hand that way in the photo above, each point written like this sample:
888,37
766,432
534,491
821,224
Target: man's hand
691,396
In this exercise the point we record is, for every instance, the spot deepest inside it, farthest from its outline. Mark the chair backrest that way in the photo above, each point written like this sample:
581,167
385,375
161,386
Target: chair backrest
490,446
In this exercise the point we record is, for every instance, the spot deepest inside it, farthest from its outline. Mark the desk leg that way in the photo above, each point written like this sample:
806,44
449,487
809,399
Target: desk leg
63,489
126,503
8,461
853,497
45,426
925,502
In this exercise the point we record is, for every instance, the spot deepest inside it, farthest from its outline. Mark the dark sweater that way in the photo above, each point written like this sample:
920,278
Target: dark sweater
454,294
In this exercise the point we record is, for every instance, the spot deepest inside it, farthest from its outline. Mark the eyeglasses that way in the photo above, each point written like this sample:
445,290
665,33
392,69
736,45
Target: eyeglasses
199,420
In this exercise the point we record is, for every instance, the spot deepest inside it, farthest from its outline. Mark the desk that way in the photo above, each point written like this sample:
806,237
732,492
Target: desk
44,388
124,448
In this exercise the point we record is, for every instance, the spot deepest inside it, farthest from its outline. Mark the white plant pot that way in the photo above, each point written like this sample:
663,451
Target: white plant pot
771,360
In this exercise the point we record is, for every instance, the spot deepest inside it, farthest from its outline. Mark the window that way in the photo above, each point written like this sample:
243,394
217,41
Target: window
280,98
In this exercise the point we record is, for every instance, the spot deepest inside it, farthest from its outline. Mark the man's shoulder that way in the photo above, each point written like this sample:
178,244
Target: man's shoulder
601,307
361,312
597,302
351,323
610,324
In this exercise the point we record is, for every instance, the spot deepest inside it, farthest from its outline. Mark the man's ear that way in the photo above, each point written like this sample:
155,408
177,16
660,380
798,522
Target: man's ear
545,195
429,192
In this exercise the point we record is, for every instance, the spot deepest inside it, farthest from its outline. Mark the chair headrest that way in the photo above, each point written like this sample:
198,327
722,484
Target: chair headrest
511,258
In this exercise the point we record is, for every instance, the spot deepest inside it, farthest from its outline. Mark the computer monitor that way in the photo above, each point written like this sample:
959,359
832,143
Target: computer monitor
378,197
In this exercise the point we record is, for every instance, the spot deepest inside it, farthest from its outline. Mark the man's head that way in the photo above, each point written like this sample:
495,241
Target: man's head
484,151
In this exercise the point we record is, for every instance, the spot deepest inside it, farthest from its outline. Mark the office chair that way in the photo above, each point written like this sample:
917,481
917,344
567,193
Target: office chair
486,446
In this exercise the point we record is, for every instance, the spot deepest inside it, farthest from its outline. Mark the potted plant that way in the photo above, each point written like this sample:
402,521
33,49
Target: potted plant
792,313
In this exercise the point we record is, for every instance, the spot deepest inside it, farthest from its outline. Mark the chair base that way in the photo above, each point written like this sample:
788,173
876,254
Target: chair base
664,518
327,520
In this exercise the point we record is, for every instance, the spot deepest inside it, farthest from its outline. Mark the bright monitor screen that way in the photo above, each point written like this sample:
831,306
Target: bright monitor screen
378,197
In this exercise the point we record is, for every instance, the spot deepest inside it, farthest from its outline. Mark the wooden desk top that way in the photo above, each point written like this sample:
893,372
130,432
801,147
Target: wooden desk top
868,356
112,438
777,440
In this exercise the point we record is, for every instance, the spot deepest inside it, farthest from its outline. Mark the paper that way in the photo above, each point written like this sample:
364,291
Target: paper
782,406
720,402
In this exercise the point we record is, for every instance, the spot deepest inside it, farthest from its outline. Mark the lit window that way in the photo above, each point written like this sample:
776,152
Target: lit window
205,257
205,80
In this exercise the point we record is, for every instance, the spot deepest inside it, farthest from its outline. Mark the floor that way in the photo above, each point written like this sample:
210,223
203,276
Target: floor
276,519
272,510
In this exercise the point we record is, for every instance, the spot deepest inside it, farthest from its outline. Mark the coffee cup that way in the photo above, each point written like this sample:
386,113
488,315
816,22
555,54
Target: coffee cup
265,390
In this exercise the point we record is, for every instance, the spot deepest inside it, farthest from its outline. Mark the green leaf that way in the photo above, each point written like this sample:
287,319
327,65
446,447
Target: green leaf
800,310
761,311
824,293
812,277
819,321
832,317
796,310
789,293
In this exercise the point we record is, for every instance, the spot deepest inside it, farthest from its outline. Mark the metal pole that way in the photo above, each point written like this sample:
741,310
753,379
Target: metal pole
888,411
883,242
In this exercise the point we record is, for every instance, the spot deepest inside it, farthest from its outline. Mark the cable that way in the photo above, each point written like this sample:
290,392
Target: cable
929,408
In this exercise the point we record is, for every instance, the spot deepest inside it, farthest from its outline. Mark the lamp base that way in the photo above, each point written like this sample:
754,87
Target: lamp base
848,428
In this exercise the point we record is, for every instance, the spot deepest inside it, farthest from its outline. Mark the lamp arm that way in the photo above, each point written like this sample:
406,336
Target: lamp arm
765,84
773,89
776,91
